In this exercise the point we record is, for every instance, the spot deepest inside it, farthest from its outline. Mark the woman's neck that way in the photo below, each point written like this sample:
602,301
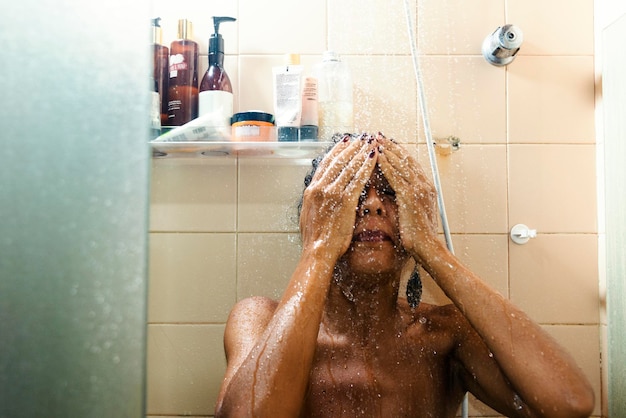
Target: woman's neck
362,305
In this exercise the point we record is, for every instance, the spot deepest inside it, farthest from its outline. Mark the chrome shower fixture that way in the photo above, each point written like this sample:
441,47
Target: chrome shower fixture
500,47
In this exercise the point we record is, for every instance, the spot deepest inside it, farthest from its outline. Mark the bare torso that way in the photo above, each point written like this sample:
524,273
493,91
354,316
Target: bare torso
406,370
341,343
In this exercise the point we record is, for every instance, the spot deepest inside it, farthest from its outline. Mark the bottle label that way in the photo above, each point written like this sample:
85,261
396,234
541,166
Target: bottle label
177,62
218,103
155,111
155,115
309,102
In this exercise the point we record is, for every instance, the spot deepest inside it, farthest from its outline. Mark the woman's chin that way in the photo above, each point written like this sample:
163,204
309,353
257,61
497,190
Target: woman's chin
373,258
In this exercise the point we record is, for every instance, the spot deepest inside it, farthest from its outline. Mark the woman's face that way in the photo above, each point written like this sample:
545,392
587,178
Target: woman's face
376,246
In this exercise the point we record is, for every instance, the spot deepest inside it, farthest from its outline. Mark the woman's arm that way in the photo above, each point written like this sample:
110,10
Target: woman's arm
267,374
543,375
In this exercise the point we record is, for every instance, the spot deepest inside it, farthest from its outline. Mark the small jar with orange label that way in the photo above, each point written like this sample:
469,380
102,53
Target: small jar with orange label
253,126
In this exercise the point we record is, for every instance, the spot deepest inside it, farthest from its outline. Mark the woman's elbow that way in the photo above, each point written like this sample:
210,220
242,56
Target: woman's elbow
580,404
584,403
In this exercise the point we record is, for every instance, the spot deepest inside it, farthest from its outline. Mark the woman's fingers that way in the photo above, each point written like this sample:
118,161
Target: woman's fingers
402,163
358,170
340,167
408,179
328,158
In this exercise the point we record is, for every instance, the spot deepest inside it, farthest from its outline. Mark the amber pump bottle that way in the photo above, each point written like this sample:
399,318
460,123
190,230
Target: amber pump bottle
161,67
183,80
216,91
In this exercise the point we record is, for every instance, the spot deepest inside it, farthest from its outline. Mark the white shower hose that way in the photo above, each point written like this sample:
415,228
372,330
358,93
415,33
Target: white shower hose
431,148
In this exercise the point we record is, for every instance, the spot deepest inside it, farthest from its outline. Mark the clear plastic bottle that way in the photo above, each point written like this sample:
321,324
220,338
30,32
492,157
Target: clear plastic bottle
336,110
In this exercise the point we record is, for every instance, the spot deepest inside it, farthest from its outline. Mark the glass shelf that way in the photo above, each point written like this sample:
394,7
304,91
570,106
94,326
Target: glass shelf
202,149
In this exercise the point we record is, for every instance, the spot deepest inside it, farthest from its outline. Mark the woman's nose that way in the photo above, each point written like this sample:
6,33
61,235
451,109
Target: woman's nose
371,202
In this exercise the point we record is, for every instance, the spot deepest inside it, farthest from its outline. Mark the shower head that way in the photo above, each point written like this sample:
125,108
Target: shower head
500,47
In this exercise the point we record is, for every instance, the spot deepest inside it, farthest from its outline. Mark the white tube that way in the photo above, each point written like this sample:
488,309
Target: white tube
288,100
310,116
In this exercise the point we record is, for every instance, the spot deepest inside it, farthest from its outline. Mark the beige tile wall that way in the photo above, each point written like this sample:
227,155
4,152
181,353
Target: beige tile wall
225,228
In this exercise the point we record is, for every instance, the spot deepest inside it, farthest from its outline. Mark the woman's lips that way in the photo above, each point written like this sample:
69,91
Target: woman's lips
371,236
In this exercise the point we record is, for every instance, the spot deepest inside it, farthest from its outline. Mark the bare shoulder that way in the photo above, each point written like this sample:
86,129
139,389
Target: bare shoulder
254,304
249,315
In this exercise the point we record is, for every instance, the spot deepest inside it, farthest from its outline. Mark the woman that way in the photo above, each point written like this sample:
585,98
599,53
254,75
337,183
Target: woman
341,343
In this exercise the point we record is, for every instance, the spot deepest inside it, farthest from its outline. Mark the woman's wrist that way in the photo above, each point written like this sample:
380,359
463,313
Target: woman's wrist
319,254
430,252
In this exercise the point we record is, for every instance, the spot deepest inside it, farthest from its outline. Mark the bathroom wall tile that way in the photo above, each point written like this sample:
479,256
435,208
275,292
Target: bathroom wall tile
473,183
199,13
431,292
192,277
196,194
551,100
487,256
186,365
265,263
282,27
552,188
602,278
369,27
554,278
602,396
269,193
385,96
256,82
583,343
557,27
256,79
446,28
466,98
479,409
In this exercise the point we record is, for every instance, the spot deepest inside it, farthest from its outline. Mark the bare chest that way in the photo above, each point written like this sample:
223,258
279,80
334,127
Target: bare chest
395,376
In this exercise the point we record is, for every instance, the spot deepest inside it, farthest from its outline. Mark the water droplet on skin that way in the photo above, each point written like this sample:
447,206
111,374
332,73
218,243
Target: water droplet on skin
422,320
